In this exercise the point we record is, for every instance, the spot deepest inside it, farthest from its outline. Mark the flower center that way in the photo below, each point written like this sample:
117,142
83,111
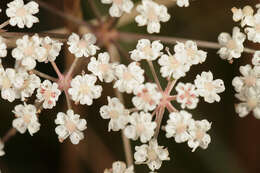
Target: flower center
118,2
27,118
139,128
29,51
174,64
104,67
21,12
151,14
191,53
82,44
70,126
147,50
181,127
84,89
209,86
199,135
114,114
151,154
127,76
250,80
146,96
6,83
231,44
252,103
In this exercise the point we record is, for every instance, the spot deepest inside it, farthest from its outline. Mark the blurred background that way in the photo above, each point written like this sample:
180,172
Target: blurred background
235,141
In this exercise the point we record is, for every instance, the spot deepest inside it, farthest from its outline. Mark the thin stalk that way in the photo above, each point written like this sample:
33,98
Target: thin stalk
11,132
154,75
56,70
95,10
127,36
158,120
4,24
45,76
72,67
171,108
170,87
67,99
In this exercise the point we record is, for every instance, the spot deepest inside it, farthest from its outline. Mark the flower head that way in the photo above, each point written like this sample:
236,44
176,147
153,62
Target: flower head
116,112
141,125
84,46
119,6
187,95
209,88
183,3
3,48
151,154
151,14
7,80
48,93
22,14
70,125
26,119
120,167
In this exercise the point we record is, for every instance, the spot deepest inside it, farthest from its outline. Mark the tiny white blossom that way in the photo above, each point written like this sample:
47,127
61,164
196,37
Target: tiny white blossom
2,145
70,125
116,112
141,125
187,95
173,66
3,48
178,126
120,167
26,119
145,49
189,51
52,49
183,3
244,15
22,14
253,31
28,50
151,154
129,77
151,14
119,6
199,136
256,58
147,97
7,79
250,102
84,46
250,78
48,93
232,46
209,88
83,89
101,67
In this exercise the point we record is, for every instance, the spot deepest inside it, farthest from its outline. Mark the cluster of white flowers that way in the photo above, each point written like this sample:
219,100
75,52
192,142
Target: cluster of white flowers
120,167
119,7
183,128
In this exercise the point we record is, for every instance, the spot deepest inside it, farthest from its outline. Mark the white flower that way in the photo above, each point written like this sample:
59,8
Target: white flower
119,6
84,46
244,15
209,88
120,167
256,58
173,66
178,125
101,67
198,135
253,31
189,51
7,78
48,93
52,49
3,48
183,3
26,119
187,95
2,145
151,14
26,83
22,14
28,50
145,49
151,154
141,125
232,46
250,102
147,97
84,90
128,77
250,78
116,112
70,125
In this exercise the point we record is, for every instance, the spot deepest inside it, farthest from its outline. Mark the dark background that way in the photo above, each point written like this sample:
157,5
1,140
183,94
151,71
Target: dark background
235,141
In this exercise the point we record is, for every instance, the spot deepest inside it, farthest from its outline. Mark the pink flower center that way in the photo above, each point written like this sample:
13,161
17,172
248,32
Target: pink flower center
70,126
84,89
118,2
250,80
231,44
181,127
114,114
127,76
82,44
27,118
21,12
29,51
